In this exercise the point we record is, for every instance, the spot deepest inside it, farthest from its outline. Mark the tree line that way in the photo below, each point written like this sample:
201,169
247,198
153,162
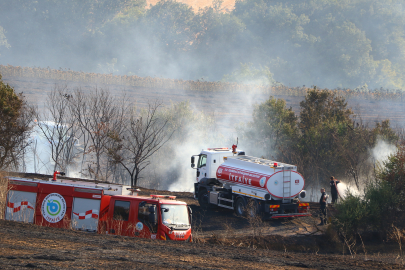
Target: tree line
328,43
326,137
98,135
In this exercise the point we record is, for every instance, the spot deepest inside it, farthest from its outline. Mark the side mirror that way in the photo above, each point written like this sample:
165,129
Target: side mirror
192,162
303,194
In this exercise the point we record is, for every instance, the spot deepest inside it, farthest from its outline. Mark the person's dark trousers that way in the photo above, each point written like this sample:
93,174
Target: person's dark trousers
323,215
334,196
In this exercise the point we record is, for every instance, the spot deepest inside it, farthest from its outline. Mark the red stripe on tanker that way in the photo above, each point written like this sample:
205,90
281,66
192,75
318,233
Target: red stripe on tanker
271,182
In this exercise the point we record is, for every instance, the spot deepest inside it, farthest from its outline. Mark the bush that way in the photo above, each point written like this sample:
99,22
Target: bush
382,206
351,215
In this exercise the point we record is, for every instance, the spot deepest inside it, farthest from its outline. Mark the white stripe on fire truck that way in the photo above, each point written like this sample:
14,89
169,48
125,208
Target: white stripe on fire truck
248,194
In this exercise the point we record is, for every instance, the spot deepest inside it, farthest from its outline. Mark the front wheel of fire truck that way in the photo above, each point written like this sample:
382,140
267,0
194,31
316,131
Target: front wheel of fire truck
203,198
240,207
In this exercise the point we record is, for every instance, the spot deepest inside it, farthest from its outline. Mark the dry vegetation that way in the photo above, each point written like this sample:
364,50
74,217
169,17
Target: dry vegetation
197,86
3,194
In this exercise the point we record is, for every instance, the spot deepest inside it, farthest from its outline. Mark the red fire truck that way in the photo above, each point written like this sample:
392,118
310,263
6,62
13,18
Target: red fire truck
97,207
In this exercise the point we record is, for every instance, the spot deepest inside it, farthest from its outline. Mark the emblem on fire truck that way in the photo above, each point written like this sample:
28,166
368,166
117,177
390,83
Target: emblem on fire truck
53,207
139,226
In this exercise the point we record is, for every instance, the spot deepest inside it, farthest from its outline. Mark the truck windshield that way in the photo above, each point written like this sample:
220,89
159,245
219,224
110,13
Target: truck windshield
175,215
203,161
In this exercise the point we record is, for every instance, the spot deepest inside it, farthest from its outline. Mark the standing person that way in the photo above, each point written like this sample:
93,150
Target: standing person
333,188
322,203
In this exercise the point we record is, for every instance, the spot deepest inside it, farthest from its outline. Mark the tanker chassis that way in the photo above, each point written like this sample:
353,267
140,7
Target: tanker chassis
228,178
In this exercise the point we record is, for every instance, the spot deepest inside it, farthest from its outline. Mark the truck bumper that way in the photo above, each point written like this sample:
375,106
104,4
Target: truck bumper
289,215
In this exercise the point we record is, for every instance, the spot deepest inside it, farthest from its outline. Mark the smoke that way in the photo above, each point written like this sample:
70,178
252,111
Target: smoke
198,125
38,154
382,151
301,43
378,155
345,188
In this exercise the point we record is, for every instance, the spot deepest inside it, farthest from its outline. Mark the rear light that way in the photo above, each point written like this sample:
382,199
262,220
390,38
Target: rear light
274,208
303,207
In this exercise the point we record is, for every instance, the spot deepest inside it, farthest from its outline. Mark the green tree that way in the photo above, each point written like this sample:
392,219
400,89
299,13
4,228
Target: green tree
324,118
16,117
169,22
273,129
324,140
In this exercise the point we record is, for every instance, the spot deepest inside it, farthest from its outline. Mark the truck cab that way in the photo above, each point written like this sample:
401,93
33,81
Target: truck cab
155,217
210,159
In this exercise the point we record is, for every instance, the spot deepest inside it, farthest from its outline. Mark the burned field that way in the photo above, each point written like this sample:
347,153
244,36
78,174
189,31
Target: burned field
219,244
221,241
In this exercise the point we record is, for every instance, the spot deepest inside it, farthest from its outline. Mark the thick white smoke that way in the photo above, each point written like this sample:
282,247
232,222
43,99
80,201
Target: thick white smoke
382,151
379,154
38,154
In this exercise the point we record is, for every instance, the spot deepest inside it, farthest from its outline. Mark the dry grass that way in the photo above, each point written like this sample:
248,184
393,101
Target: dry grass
3,193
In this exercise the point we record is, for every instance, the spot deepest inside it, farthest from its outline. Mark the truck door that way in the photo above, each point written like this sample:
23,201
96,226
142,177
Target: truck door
147,224
122,215
202,167
21,206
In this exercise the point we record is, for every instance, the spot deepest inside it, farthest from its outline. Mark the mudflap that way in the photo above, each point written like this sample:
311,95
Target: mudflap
196,190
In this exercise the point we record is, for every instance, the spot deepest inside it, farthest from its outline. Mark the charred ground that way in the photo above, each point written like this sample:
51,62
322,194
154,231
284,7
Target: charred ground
221,241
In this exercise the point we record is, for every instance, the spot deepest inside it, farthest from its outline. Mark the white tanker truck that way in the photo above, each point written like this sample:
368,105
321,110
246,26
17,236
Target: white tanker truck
230,179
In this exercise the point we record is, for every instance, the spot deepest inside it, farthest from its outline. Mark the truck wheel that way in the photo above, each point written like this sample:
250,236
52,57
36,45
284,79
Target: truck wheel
240,207
203,199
